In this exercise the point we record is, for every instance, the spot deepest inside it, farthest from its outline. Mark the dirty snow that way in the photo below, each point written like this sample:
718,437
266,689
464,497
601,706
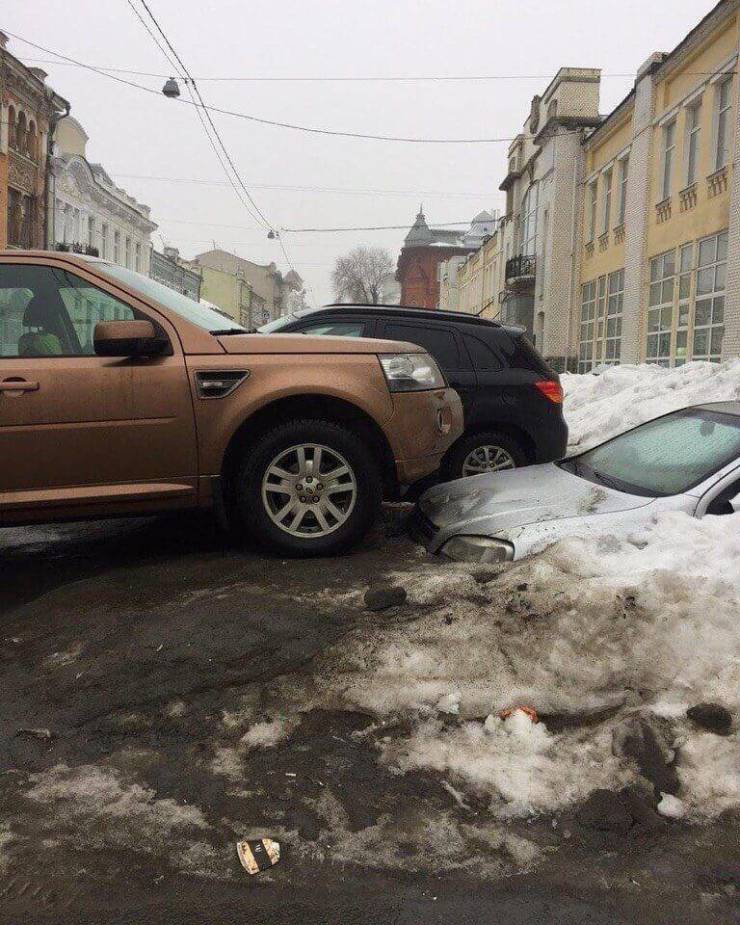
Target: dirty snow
591,633
599,406
97,807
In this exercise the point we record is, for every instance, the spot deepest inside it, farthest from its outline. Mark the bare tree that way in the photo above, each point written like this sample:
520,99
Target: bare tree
359,275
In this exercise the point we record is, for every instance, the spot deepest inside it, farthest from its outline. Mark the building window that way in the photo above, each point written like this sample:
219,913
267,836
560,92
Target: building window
724,128
529,219
614,304
128,252
607,199
104,241
693,130
669,151
91,231
591,216
686,265
623,168
710,298
20,219
137,257
11,127
588,312
116,247
660,308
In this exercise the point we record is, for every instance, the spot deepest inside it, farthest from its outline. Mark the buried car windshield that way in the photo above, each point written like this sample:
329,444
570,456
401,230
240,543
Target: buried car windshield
663,457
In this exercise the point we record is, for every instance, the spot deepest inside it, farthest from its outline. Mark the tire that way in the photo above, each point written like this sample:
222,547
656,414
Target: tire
334,515
504,453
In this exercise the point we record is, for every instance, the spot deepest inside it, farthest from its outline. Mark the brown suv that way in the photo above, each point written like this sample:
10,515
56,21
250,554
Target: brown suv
119,396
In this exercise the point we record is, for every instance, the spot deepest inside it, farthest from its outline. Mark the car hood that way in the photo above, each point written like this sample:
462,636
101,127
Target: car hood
487,504
308,343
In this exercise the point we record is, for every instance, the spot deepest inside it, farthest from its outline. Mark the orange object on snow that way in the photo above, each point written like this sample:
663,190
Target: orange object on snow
530,711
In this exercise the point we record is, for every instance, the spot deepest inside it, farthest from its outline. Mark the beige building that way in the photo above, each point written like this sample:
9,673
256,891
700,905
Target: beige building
227,278
660,218
89,213
621,239
526,274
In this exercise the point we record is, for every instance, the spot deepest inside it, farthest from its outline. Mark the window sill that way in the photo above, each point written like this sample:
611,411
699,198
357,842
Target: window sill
589,249
619,234
604,241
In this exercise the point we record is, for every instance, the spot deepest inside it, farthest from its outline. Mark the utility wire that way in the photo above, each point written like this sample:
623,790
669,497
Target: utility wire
462,78
349,190
178,69
272,122
193,89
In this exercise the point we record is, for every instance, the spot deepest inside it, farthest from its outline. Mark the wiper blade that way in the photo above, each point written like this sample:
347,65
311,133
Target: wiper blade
225,331
606,480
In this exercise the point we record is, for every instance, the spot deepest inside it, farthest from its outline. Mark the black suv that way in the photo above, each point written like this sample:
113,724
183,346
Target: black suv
512,399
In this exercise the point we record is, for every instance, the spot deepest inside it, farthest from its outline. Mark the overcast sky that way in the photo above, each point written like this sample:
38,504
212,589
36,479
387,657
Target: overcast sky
136,135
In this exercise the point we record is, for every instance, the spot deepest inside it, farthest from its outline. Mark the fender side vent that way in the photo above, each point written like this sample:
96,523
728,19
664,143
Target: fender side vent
219,383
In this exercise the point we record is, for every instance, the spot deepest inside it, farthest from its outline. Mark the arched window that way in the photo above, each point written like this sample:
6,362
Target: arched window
11,126
20,133
529,221
31,140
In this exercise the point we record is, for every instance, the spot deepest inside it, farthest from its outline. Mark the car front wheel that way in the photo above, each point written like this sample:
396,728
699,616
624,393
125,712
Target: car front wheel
308,488
484,452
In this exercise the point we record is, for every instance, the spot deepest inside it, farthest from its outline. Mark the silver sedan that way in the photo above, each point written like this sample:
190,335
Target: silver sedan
688,461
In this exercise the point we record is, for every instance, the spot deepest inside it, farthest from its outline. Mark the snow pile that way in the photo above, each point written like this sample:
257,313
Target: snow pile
592,633
598,406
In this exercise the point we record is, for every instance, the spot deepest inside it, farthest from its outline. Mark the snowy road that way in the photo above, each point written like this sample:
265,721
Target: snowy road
164,696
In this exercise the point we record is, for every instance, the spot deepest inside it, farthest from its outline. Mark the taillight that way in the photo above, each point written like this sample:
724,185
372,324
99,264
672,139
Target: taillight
550,389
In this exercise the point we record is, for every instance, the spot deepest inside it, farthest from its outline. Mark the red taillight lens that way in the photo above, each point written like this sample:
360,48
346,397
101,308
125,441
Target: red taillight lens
551,390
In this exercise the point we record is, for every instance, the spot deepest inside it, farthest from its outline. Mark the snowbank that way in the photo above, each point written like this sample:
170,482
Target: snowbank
593,634
597,407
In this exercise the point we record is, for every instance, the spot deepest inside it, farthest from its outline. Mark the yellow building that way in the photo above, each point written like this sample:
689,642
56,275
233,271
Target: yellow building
232,295
660,220
480,277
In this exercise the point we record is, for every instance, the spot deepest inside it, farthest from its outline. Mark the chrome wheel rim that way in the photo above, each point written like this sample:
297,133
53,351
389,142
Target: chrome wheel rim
309,490
487,458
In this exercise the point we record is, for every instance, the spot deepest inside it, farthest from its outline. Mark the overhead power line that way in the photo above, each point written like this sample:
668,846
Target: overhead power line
273,122
202,111
396,78
350,190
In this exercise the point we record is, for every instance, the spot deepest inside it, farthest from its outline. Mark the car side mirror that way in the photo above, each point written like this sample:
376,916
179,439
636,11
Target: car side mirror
127,339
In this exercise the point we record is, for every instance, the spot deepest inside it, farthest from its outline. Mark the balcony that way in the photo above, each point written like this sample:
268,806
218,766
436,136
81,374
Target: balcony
521,271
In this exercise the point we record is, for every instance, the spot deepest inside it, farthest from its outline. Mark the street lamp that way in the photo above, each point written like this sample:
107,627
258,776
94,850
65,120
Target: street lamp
171,89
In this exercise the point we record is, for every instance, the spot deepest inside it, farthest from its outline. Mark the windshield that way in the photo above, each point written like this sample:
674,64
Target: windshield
277,325
663,457
192,311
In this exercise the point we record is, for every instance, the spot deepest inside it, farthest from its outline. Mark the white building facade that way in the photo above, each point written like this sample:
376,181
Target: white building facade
90,214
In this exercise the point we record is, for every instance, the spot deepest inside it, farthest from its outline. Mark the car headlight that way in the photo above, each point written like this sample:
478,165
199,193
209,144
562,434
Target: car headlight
411,372
478,549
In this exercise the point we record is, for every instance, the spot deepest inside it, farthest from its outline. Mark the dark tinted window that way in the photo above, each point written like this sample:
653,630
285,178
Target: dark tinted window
481,354
440,342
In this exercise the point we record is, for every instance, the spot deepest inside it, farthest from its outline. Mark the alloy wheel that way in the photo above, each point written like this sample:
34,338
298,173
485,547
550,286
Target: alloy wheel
487,458
309,490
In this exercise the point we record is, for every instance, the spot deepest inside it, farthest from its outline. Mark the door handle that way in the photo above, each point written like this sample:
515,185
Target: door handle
18,385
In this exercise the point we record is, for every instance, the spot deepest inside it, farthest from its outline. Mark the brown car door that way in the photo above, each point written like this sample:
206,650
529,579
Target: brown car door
79,430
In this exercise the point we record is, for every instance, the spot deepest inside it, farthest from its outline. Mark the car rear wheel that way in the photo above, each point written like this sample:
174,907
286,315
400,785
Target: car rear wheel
308,488
484,452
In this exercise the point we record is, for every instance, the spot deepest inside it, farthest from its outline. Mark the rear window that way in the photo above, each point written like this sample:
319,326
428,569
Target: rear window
438,341
522,354
481,355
